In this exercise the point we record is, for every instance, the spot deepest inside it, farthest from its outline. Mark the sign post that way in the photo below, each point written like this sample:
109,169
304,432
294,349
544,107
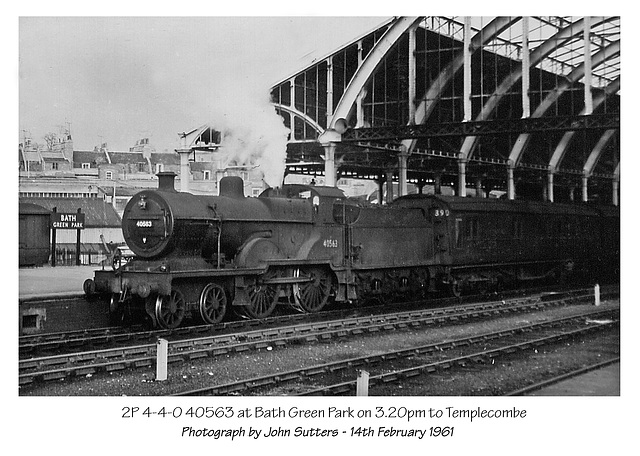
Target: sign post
66,221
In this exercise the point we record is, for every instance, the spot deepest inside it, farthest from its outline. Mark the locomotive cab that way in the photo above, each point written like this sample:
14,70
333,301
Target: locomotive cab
321,198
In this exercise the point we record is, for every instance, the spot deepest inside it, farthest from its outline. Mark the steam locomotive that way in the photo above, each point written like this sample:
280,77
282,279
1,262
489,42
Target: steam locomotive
304,246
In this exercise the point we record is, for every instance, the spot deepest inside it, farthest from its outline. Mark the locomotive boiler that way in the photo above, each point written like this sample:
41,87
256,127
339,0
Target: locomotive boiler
305,246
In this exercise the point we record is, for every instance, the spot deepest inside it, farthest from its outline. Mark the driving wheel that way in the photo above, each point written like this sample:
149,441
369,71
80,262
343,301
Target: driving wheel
312,296
213,303
170,309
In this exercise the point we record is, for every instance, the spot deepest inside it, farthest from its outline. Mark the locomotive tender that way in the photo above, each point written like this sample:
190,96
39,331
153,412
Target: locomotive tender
305,245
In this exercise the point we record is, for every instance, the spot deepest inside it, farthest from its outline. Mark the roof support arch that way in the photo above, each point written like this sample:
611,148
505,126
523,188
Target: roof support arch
294,112
535,57
433,93
561,148
611,51
596,152
365,71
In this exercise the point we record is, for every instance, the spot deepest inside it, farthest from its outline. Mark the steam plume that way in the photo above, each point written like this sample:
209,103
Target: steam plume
254,134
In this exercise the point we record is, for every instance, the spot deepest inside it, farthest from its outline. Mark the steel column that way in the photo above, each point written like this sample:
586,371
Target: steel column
389,198
550,185
526,106
412,75
511,187
462,178
402,173
329,164
467,69
588,97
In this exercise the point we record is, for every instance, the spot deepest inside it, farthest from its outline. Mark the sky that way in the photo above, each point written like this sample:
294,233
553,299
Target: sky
115,80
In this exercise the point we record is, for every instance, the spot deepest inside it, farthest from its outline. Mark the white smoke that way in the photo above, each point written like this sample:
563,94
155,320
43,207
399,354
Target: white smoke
253,133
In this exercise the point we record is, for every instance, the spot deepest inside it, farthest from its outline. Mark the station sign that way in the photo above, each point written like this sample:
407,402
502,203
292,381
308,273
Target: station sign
70,221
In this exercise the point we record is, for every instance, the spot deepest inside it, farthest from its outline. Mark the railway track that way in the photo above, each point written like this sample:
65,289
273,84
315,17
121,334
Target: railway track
396,366
74,341
113,359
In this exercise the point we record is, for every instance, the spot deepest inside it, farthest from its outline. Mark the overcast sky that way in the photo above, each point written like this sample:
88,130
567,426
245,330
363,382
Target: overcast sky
119,79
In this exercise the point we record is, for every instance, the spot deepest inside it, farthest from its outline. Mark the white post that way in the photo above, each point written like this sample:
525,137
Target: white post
162,349
362,384
596,292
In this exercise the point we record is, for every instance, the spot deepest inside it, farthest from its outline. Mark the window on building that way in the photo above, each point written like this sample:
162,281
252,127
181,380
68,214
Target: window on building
54,165
255,192
86,165
207,175
108,175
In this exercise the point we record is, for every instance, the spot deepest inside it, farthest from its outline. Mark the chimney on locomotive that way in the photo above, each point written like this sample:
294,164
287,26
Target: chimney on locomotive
166,181
232,186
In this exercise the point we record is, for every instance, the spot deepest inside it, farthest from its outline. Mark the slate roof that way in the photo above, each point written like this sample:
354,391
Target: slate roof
98,213
88,156
166,159
127,158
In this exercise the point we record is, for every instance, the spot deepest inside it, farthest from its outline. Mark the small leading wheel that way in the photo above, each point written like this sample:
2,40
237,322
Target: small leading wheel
263,297
170,309
312,296
213,303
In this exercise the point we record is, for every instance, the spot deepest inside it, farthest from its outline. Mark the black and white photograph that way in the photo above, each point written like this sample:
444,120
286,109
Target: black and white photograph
324,232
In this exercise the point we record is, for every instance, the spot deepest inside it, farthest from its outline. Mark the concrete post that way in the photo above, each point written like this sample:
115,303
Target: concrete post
585,189
596,293
614,196
362,383
162,350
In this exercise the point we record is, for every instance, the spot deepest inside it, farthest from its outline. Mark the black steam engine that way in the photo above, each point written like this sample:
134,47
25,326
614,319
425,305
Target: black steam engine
306,245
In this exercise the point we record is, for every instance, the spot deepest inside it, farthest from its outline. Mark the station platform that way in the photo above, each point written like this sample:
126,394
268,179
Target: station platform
53,281
68,310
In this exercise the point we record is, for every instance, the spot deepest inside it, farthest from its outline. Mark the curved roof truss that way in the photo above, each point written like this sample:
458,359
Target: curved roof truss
377,76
